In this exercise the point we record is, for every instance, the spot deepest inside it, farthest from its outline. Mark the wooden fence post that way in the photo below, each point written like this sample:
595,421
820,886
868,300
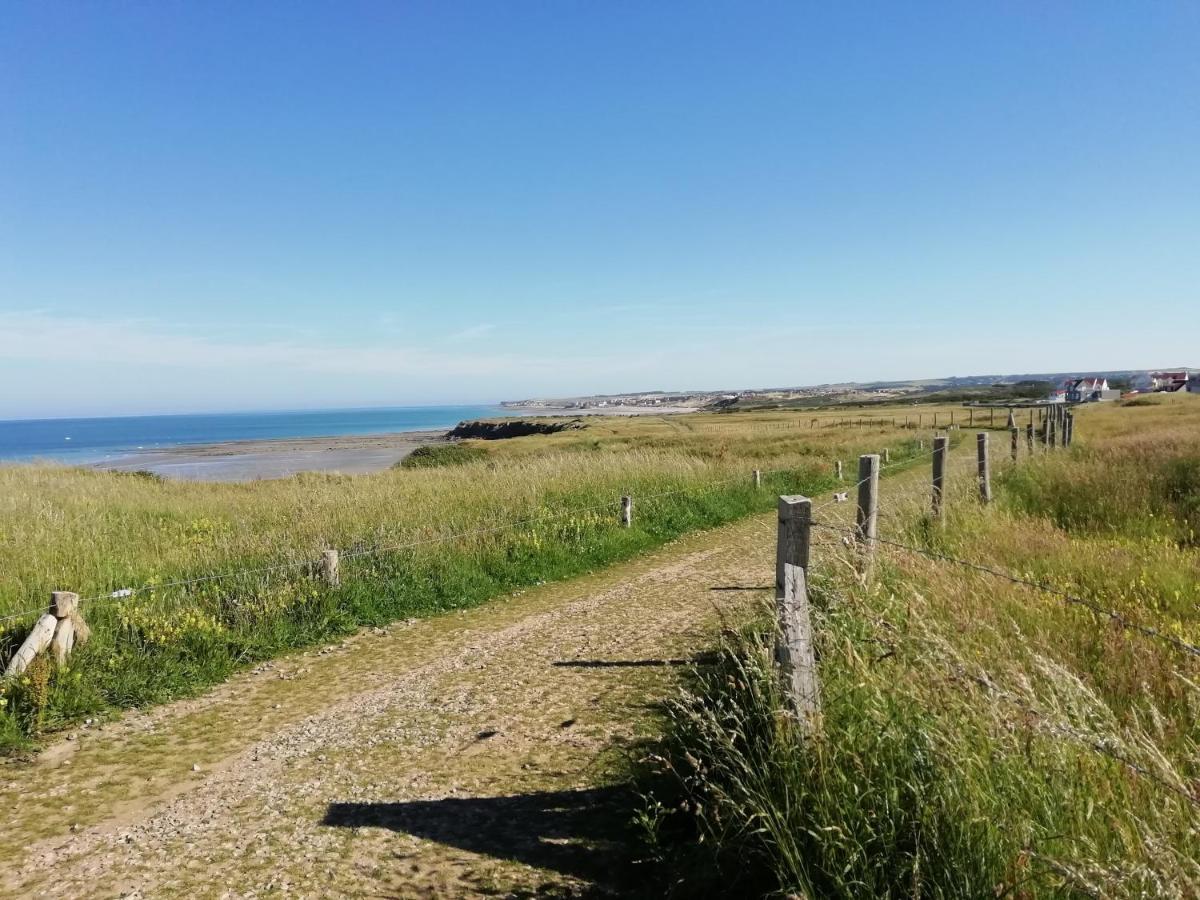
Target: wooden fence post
970,417
756,477
60,630
793,538
626,511
940,444
794,641
64,606
1029,434
887,455
1015,439
837,469
985,467
329,568
1070,428
1051,434
867,516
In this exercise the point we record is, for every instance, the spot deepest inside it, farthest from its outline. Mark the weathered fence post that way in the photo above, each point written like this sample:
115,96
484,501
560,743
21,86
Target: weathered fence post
1012,418
1015,440
793,537
940,444
60,630
1069,432
837,469
1029,434
985,467
38,640
756,477
793,642
867,516
1051,434
626,511
64,606
887,455
329,568
970,417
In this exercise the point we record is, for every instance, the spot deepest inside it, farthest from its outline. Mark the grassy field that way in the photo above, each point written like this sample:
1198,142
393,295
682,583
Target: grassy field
979,737
415,541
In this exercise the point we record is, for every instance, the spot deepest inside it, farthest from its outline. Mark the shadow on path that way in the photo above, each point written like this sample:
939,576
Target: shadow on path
698,659
577,833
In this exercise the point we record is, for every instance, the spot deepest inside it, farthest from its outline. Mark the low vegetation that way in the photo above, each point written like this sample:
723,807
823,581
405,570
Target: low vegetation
432,456
979,737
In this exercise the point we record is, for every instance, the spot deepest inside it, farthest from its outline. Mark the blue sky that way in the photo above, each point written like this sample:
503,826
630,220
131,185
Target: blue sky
219,206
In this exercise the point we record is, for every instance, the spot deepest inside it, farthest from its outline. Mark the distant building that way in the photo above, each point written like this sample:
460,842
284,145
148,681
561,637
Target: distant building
1090,390
1169,381
1193,384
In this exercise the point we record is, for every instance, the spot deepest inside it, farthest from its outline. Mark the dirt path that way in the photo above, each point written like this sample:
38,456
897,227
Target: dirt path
467,755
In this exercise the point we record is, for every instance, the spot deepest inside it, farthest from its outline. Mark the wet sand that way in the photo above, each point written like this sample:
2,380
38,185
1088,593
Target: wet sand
251,460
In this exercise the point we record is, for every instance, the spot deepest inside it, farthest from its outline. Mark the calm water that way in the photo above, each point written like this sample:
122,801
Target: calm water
92,440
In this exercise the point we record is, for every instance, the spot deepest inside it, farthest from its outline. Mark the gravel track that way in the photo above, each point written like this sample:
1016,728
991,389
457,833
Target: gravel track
468,755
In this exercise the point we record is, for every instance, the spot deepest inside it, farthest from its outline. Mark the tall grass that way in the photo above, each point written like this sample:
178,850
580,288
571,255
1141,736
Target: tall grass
415,542
979,738
170,640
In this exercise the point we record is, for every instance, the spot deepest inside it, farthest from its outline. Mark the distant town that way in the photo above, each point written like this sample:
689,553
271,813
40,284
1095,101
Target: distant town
1060,387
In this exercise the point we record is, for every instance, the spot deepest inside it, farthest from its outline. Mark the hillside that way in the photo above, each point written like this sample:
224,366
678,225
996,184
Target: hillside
946,389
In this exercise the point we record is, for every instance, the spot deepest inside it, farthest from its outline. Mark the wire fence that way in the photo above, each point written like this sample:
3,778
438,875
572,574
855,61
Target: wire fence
798,663
1112,615
359,552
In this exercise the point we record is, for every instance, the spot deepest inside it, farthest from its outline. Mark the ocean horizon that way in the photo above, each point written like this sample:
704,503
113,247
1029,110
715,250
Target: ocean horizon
95,439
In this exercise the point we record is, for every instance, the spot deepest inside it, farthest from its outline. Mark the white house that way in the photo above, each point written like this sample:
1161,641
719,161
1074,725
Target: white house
1169,381
1090,390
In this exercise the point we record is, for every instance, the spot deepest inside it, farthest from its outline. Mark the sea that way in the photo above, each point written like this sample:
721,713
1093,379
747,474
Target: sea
82,441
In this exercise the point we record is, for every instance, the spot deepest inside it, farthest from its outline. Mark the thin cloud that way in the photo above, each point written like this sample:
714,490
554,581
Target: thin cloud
37,336
470,334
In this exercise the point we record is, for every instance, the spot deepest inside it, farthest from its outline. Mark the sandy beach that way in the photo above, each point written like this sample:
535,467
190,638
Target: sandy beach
251,460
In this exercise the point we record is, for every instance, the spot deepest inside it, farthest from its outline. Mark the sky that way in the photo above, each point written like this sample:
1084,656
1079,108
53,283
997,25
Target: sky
228,206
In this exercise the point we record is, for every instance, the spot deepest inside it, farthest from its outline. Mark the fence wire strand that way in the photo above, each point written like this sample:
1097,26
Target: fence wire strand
1066,596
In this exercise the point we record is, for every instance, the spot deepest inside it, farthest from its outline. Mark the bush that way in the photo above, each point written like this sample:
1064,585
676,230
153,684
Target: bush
433,456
